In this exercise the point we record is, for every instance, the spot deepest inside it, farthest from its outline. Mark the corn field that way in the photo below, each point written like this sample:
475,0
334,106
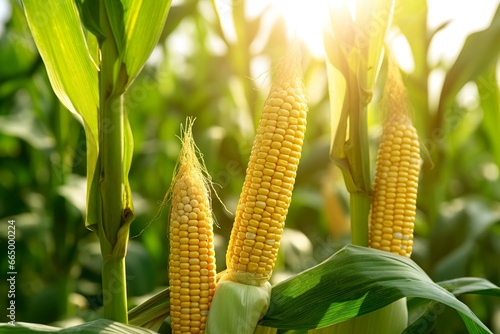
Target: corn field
199,166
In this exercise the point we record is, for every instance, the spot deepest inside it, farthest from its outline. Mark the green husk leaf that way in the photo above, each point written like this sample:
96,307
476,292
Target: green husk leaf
355,281
237,307
152,312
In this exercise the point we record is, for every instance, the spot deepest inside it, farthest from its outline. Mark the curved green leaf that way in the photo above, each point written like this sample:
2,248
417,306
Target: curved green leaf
355,281
470,63
101,326
152,312
337,71
463,285
90,13
16,49
467,225
489,98
136,26
55,26
423,313
56,29
374,18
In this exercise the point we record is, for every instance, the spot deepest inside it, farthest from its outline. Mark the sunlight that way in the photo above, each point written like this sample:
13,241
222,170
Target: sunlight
307,20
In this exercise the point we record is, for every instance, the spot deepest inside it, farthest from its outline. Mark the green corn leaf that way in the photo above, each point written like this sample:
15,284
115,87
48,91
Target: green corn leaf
356,281
467,225
177,14
391,319
489,98
411,18
337,71
90,14
101,326
340,42
55,26
128,152
373,19
24,125
136,26
16,49
56,29
470,63
475,285
152,312
347,49
423,313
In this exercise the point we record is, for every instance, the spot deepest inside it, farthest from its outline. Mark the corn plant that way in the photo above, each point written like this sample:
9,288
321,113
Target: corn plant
371,286
90,72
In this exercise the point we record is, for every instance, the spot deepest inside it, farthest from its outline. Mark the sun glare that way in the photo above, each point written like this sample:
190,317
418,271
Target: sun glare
307,20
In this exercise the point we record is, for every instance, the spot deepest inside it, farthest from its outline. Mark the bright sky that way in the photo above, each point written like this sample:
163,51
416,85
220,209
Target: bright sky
466,16
307,19
4,14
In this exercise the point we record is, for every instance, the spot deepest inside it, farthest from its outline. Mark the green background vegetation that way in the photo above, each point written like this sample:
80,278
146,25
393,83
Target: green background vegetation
43,161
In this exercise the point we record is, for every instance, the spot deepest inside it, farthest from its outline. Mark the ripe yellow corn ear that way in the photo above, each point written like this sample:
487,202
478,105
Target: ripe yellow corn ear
192,270
263,205
394,201
270,176
393,206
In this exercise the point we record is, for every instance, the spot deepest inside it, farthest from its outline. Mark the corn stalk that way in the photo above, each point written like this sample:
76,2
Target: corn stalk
93,50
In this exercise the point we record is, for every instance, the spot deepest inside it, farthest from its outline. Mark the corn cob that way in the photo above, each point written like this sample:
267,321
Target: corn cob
393,206
243,293
270,176
192,259
396,177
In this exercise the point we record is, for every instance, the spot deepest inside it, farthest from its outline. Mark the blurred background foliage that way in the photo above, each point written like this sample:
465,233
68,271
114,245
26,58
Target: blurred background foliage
221,76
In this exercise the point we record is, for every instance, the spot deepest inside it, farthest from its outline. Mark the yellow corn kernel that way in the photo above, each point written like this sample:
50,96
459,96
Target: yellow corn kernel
394,201
270,176
192,259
